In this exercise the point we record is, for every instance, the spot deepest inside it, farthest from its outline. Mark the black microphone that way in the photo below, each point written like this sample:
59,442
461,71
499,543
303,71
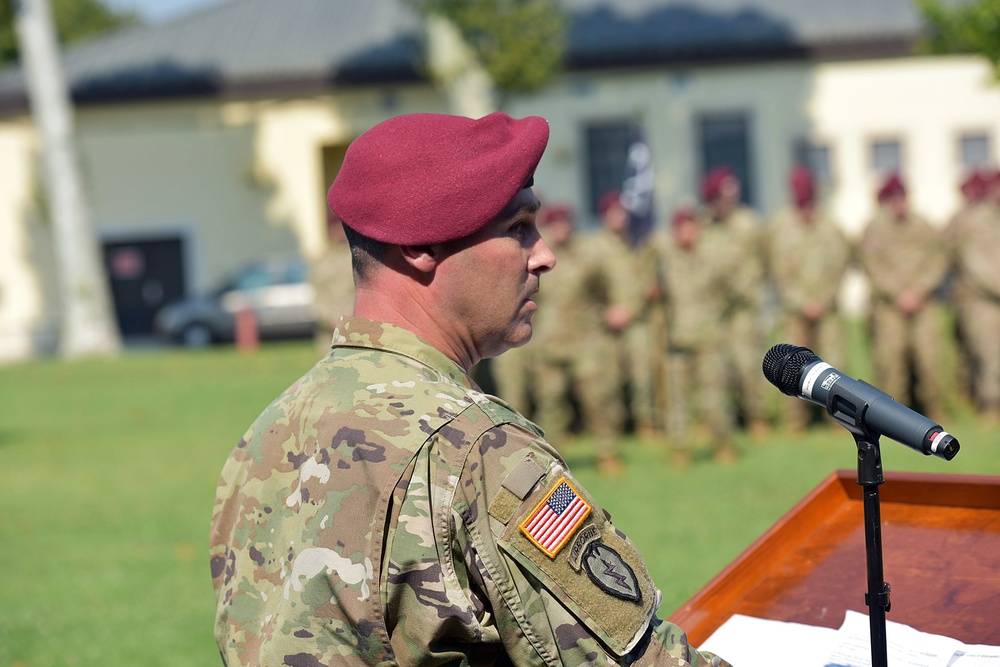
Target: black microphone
857,405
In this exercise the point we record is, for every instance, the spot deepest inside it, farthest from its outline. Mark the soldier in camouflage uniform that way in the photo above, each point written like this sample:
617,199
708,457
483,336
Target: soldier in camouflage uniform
382,510
333,283
574,340
976,240
635,272
696,285
807,258
975,190
906,260
739,229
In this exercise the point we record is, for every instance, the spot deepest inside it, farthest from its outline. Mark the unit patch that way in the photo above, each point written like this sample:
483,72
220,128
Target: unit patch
550,525
611,574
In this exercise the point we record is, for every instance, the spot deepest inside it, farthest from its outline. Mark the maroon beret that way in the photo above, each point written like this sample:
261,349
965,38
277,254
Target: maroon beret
976,185
607,200
892,186
553,212
681,216
711,185
430,178
803,189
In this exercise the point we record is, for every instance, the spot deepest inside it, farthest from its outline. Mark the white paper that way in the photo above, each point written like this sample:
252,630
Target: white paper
905,646
745,641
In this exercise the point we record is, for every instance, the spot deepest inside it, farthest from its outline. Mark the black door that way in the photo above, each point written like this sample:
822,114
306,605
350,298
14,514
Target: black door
725,140
144,276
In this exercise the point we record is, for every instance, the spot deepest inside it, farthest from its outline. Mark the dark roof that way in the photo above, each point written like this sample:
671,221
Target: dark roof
263,46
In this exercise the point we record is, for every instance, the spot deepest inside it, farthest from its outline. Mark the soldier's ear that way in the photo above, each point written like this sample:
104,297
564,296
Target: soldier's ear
423,258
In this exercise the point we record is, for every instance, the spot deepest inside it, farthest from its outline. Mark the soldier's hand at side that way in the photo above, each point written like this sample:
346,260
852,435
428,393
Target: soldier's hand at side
909,303
813,311
617,317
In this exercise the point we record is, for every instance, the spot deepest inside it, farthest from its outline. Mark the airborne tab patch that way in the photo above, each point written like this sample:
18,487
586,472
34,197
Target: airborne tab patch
550,525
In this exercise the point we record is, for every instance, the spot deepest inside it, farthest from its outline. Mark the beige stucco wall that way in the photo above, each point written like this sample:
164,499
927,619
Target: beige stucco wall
927,103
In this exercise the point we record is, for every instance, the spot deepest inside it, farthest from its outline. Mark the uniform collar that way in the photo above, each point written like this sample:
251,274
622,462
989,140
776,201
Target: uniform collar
365,333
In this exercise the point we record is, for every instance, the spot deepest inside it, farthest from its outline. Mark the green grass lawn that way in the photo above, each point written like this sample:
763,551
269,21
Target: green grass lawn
108,472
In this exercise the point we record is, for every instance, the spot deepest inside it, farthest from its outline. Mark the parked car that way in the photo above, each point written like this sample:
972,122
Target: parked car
276,290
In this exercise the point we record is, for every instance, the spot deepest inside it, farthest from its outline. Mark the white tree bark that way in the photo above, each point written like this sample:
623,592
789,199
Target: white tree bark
87,326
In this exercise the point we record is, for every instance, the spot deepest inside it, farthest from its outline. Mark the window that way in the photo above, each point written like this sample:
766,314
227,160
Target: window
975,151
607,145
815,157
724,139
887,157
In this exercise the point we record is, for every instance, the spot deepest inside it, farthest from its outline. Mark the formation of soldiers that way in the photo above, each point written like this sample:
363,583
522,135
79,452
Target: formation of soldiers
665,337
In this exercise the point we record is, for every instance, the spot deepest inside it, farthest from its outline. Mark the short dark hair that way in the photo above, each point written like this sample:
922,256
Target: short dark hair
367,254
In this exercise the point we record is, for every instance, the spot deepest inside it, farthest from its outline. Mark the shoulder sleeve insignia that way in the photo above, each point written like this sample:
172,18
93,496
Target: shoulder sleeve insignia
550,525
610,572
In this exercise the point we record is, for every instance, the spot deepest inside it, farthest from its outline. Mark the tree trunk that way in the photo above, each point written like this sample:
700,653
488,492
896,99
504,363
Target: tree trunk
453,66
87,326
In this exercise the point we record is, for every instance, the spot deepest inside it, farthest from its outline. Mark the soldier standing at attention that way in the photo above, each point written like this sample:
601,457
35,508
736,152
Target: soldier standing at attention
906,261
383,510
575,343
977,291
633,275
696,283
807,257
740,231
975,190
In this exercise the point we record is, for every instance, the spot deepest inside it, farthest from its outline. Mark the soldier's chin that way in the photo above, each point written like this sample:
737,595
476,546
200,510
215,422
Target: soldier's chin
521,335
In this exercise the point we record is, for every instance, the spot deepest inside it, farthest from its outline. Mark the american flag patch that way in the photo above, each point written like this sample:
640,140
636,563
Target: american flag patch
552,523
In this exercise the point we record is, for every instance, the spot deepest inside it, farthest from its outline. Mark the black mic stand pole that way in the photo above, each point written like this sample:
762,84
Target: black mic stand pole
851,415
877,597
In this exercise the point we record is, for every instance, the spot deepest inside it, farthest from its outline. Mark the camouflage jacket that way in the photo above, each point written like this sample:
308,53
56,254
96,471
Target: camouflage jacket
807,260
383,511
899,256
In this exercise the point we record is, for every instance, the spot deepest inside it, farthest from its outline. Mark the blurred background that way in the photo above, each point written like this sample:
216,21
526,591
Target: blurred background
204,135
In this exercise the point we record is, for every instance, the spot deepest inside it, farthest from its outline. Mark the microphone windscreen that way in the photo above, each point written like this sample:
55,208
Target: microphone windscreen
783,365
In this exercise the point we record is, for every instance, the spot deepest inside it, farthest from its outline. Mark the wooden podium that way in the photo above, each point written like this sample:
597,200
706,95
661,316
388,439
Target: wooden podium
941,554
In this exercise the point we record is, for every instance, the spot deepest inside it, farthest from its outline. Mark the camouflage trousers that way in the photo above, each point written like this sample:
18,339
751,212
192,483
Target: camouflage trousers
903,344
697,395
594,381
638,363
825,337
746,348
980,317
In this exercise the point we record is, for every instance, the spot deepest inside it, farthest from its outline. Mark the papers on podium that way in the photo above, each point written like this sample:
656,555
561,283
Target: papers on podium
754,642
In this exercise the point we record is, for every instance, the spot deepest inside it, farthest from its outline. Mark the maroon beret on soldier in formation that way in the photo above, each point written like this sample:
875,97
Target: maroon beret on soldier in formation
553,212
975,186
711,185
608,200
803,188
892,186
682,215
419,179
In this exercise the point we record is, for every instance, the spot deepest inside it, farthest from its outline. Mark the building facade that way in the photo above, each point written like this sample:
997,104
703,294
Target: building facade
200,154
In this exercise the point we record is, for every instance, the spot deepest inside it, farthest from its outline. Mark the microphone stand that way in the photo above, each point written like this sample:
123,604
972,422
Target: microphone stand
869,478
